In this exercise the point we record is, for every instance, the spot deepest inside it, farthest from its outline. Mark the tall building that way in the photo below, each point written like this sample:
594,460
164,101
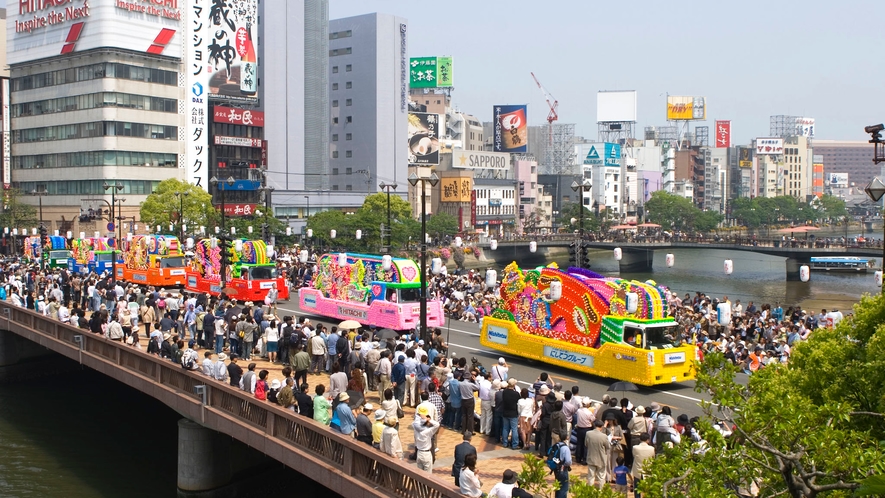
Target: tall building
847,156
369,108
95,96
798,168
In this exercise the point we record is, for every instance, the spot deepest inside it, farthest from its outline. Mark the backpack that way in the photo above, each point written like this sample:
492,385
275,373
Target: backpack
554,462
188,360
161,304
261,389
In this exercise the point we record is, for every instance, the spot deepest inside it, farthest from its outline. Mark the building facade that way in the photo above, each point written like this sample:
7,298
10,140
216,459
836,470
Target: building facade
847,156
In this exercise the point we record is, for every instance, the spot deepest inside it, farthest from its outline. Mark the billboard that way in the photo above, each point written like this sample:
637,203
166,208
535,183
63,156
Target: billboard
37,29
616,106
430,72
238,141
237,116
805,127
456,189
745,157
603,154
686,108
231,34
723,134
474,159
837,179
511,128
424,138
769,146
196,73
7,143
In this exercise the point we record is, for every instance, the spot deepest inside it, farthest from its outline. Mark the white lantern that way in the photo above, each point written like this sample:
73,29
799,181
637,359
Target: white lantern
302,256
723,313
217,230
158,228
386,262
184,228
56,233
804,273
270,251
69,234
533,246
135,227
491,278
632,302
33,231
359,234
82,235
493,244
171,227
288,231
729,266
190,242
128,237
233,230
333,233
555,290
238,245
213,242
342,259
15,231
458,242
878,278
202,229
426,238
435,266
6,230
97,234
618,253
309,232
671,260
249,229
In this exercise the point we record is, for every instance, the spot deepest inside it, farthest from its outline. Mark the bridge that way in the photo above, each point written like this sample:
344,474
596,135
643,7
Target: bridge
213,411
638,256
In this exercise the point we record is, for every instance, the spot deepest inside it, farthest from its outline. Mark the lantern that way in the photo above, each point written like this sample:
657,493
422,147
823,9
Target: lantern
70,234
183,228
359,234
386,262
632,302
342,259
309,232
56,233
202,229
15,231
288,231
190,242
171,227
618,254
270,251
6,230
427,238
436,266
729,266
158,228
533,246
458,241
723,313
213,242
671,260
302,256
217,229
493,244
804,273
491,278
333,233
97,234
233,230
82,235
128,237
33,231
249,229
238,245
555,290
878,278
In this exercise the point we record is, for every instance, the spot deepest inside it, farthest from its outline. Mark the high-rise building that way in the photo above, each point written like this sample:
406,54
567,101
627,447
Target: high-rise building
848,156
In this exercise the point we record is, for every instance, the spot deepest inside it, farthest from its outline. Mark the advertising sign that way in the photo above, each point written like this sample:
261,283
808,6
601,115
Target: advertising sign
805,127
238,209
769,146
745,157
423,137
430,72
723,134
511,128
231,32
7,144
37,29
473,207
238,116
196,152
474,159
238,141
603,154
686,108
616,106
837,179
456,189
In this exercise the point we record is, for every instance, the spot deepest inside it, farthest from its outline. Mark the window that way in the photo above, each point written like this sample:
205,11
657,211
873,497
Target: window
335,120
334,86
334,69
348,153
348,85
334,137
340,51
348,136
348,102
348,187
334,103
334,187
348,171
334,154
348,68
348,119
334,171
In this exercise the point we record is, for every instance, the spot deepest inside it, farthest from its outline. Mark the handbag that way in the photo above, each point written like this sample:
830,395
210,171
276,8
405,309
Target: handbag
130,339
535,421
399,410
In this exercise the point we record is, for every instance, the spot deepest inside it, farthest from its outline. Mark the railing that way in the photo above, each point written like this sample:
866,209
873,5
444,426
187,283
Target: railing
342,464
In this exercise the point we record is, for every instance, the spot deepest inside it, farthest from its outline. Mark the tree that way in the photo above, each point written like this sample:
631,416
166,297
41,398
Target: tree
704,221
572,210
17,214
669,210
441,224
831,208
162,206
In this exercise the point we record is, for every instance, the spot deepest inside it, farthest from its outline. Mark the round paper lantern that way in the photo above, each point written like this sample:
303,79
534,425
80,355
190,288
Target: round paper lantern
70,234
804,273
190,242
436,266
671,260
171,227
493,244
238,245
555,290
33,231
386,262
302,256
879,278
202,229
249,229
333,233
56,233
233,230
15,231
184,228
128,237
533,246
288,231
342,259
82,235
217,230
97,234
458,241
6,230
270,251
213,242
618,254
491,278
632,302
723,313
729,266
359,234
309,232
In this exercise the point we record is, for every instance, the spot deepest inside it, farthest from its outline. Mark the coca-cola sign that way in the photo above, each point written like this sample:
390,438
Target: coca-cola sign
238,116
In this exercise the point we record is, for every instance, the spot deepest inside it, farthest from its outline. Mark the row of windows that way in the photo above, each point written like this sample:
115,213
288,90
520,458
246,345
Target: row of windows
348,119
348,68
96,158
348,85
347,136
95,129
503,194
348,102
232,152
88,187
346,187
95,71
340,51
234,130
340,34
95,100
494,210
347,153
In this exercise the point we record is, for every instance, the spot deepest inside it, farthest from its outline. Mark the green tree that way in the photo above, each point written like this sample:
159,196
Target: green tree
705,221
572,210
743,209
442,224
670,211
831,208
162,206
17,214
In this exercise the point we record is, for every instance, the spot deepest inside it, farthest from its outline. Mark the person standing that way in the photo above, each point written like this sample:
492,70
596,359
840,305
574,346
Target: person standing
485,404
510,414
398,378
301,364
318,350
384,370
642,452
565,466
373,356
425,427
468,403
461,452
598,446
584,424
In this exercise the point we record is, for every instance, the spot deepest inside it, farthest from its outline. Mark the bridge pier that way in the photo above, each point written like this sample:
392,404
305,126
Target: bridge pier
635,260
204,463
793,265
9,349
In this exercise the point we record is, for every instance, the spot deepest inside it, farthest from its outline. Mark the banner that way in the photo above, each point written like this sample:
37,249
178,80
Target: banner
423,138
474,159
511,128
603,154
723,134
430,72
238,141
456,189
686,108
769,146
745,157
237,116
196,154
473,208
232,55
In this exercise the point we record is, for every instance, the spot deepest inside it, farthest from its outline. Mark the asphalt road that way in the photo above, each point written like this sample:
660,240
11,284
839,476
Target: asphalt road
463,340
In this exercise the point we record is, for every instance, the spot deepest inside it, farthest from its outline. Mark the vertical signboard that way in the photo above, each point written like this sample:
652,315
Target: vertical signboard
511,128
196,83
745,157
430,72
723,134
473,208
423,138
7,146
231,54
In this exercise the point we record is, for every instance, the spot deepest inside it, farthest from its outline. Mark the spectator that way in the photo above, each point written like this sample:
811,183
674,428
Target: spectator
461,452
425,427
390,442
304,401
378,428
470,483
321,406
504,489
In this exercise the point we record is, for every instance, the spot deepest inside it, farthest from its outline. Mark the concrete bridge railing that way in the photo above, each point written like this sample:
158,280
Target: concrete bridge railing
342,464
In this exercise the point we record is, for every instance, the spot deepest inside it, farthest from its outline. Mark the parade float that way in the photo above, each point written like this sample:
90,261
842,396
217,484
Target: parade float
249,276
152,260
93,254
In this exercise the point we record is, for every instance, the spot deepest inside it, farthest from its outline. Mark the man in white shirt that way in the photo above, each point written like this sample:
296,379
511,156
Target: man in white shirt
500,371
220,371
485,404
64,314
207,364
738,309
425,427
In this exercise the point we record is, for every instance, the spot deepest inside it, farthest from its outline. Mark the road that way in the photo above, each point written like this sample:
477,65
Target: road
463,340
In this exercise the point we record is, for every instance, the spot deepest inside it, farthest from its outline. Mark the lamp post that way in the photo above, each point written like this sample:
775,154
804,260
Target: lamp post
875,190
113,188
413,181
265,228
387,187
119,225
220,185
181,196
582,187
40,192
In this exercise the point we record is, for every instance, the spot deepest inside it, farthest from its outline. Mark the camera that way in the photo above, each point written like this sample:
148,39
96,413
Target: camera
874,128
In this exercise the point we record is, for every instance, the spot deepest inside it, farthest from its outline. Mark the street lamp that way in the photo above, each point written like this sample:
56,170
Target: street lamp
582,187
387,187
265,228
220,185
875,190
40,191
413,181
181,196
113,188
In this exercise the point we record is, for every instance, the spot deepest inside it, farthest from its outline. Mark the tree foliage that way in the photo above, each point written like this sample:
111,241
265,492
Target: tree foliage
768,211
162,206
441,224
572,210
17,214
368,219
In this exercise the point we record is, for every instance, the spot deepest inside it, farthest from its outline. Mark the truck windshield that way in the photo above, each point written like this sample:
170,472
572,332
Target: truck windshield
409,295
262,272
661,337
59,254
173,262
103,257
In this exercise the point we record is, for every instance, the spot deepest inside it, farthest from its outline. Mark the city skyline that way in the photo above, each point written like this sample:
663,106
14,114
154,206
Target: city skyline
750,61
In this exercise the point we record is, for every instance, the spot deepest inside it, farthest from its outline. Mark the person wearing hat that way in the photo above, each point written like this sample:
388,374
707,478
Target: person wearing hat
390,442
501,370
219,370
343,416
364,425
504,489
378,427
461,452
274,390
425,427
543,436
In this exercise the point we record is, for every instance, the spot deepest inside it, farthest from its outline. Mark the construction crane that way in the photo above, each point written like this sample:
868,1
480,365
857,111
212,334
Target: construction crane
552,103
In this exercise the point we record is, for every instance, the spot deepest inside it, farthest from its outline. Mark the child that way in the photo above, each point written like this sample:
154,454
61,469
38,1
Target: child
621,472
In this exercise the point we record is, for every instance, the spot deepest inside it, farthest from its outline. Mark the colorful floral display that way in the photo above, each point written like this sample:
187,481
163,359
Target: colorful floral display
83,250
137,252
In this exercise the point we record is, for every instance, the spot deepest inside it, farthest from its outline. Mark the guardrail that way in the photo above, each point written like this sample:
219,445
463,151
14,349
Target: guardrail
342,464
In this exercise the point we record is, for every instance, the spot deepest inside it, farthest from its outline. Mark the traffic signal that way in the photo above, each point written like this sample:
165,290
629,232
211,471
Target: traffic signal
586,261
44,235
226,244
573,253
264,232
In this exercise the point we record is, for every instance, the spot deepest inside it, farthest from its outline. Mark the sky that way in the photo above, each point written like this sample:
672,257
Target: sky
751,59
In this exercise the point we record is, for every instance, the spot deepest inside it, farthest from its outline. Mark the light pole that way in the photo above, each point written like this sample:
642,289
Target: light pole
876,189
119,226
307,214
113,188
220,185
181,196
413,181
387,187
582,187
265,228
40,192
